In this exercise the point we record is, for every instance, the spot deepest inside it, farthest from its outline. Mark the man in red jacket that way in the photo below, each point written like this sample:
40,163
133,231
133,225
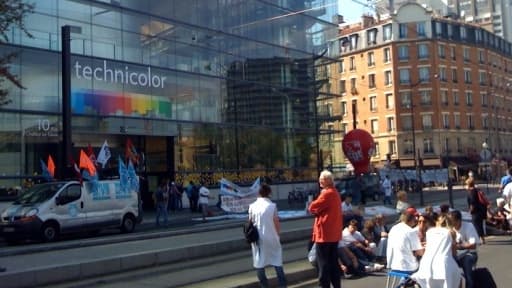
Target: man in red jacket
327,231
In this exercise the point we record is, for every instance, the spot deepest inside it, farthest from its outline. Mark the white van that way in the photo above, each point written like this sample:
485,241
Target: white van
47,210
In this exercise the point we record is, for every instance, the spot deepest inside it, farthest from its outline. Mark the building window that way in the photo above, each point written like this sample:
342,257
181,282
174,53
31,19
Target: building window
373,103
375,126
377,149
485,100
403,52
426,98
343,87
455,98
444,97
352,63
458,144
439,28
446,121
466,54
405,77
481,56
388,78
467,76
405,99
442,74
392,147
353,87
471,125
372,37
344,128
453,53
391,124
454,75
450,31
341,66
343,108
371,81
423,51
387,55
353,41
402,30
456,120
420,29
485,122
390,102
446,145
408,147
406,122
386,36
426,120
428,146
371,59
469,98
424,73
482,75
463,33
328,109
441,51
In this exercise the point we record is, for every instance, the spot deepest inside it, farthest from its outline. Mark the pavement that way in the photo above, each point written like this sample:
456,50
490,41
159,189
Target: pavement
187,237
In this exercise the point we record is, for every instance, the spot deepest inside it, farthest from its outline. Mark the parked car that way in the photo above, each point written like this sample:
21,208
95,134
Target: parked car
371,186
47,210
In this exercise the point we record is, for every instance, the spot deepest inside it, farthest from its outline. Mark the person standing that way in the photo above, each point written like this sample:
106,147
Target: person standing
192,201
204,199
404,244
477,210
388,190
327,230
267,250
162,199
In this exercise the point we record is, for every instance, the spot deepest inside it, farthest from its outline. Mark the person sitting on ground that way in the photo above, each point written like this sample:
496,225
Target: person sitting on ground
439,253
381,237
404,244
498,217
349,263
355,241
401,203
350,213
466,241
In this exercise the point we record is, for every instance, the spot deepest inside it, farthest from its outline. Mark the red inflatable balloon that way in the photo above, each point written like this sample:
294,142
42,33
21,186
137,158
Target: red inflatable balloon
358,146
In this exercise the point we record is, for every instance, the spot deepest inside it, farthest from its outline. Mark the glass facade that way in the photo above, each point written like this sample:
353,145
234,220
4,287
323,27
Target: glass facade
203,89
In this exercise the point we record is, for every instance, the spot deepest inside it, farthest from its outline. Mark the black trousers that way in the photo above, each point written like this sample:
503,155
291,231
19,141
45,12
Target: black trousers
328,268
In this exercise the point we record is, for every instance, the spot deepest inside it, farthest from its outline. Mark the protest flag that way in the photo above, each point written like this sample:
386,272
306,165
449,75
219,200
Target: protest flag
51,166
104,154
86,163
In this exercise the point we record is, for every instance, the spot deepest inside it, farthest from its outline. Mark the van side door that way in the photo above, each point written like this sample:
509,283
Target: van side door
69,208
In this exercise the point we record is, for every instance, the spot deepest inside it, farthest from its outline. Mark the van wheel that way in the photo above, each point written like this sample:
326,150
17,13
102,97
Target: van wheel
49,232
128,224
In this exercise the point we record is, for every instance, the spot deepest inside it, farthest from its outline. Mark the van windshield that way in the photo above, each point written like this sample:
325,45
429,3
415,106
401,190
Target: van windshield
38,193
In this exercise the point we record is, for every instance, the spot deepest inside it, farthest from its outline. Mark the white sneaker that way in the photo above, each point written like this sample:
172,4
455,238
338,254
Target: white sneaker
378,267
369,269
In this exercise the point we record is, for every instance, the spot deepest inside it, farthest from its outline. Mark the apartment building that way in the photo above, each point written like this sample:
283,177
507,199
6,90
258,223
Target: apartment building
424,86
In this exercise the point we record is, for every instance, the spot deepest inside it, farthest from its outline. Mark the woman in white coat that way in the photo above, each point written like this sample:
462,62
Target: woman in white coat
438,268
267,250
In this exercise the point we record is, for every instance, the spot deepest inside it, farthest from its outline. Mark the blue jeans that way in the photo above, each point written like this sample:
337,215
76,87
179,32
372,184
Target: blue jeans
467,262
262,277
161,210
387,200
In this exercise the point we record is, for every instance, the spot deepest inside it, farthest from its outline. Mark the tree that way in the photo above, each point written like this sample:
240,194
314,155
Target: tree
12,13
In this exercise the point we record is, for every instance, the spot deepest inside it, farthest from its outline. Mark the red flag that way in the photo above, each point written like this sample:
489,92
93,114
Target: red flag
131,152
90,153
86,163
51,166
76,169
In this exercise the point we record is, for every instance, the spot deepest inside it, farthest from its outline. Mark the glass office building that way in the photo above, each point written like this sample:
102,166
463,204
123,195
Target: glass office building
202,88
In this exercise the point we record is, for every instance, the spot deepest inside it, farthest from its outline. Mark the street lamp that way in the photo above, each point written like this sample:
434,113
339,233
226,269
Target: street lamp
419,182
485,157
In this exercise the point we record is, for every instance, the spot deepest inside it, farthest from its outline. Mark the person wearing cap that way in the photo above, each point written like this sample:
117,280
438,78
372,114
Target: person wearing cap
404,244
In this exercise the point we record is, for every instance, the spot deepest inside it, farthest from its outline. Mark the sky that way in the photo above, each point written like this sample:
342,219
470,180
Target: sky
351,11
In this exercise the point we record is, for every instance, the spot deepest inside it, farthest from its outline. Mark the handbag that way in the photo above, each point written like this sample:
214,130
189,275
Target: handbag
250,232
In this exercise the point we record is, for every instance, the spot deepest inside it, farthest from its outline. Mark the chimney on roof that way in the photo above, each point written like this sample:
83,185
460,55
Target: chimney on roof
367,20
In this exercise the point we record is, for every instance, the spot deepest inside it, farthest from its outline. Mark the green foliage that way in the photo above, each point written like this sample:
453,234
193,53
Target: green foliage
12,13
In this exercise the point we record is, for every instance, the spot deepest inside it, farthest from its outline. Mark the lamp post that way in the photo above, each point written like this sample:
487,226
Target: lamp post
485,157
66,31
419,182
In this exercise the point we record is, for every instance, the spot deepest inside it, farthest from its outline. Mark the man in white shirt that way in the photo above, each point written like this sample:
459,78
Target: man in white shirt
507,193
404,244
388,190
466,241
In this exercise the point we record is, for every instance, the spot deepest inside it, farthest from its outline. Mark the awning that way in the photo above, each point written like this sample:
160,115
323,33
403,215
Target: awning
432,162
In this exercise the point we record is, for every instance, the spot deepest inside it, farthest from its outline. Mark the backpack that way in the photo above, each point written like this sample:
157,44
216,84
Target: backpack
250,232
482,198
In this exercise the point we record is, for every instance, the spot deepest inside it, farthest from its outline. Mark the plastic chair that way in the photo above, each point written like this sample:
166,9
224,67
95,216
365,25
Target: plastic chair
393,276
